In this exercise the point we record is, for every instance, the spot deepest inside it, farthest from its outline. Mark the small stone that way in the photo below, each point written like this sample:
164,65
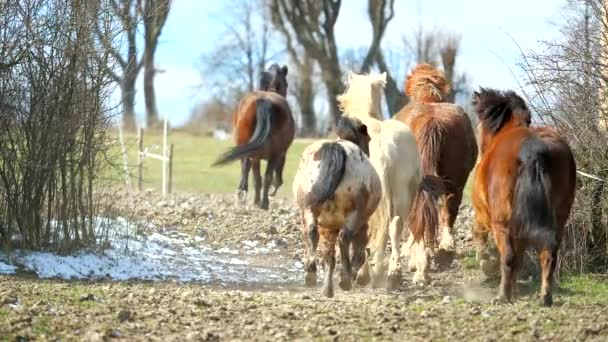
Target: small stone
475,311
446,300
273,230
332,331
124,315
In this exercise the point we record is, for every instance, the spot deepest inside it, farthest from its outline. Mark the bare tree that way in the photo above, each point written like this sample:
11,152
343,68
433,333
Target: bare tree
155,13
567,88
126,15
312,23
380,13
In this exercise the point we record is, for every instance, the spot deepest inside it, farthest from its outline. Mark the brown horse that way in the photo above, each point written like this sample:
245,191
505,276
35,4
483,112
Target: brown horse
524,188
263,128
446,144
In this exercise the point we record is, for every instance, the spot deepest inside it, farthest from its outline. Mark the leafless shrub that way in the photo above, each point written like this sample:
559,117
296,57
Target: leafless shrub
567,88
53,119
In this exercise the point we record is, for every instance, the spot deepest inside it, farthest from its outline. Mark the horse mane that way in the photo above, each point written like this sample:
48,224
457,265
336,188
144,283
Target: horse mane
357,100
426,84
495,108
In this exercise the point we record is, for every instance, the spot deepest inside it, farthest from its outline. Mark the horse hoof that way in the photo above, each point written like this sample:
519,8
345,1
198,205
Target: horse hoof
328,291
310,279
345,283
264,205
363,278
273,191
241,196
547,300
444,258
421,279
394,280
500,299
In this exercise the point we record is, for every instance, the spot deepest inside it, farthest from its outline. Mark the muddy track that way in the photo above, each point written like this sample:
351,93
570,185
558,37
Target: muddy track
455,306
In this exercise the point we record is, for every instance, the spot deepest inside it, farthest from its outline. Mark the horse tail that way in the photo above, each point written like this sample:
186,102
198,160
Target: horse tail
423,218
531,204
259,138
429,146
332,158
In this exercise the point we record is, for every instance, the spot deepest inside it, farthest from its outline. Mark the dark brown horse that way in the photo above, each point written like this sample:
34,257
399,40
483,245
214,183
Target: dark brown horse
446,144
263,128
524,188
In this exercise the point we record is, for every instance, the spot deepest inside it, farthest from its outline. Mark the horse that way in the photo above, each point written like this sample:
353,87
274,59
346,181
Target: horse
263,128
336,189
446,144
524,188
394,155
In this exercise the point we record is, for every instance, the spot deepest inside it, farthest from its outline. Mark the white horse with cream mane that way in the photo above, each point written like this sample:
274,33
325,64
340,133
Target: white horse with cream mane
394,155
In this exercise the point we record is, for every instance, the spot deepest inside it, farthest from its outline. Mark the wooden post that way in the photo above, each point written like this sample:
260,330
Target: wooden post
165,164
170,168
140,157
125,160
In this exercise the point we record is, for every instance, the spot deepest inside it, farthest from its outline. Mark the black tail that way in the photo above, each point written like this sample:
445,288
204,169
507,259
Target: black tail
333,164
263,127
531,203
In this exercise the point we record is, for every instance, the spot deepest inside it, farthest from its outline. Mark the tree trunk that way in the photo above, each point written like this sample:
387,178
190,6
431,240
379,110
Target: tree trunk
306,97
149,93
333,84
127,87
395,99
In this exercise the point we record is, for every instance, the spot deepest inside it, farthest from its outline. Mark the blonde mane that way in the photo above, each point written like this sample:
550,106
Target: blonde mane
363,95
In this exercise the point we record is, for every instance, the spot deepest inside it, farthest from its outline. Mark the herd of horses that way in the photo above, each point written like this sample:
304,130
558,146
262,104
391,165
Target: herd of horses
379,176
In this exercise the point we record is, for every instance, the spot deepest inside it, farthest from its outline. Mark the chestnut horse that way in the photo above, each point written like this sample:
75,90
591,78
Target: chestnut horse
263,128
336,189
394,155
524,188
446,143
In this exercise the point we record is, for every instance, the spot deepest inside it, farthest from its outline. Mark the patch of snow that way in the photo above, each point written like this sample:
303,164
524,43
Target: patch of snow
6,268
174,256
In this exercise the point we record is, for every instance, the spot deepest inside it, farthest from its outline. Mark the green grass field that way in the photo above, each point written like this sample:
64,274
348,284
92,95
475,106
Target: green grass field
193,156
192,159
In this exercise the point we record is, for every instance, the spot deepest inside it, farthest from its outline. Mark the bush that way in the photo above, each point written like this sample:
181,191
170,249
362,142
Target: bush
53,120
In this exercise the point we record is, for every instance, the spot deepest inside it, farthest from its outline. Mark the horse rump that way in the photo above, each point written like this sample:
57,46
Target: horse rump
332,159
531,205
259,138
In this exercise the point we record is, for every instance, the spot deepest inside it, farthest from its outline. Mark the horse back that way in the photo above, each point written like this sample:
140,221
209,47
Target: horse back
283,124
456,151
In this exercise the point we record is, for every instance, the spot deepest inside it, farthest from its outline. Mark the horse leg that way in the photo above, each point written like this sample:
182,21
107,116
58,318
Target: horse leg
487,262
244,185
257,181
278,176
270,167
345,238
394,265
358,259
507,262
408,251
310,236
378,247
421,261
548,261
449,212
328,254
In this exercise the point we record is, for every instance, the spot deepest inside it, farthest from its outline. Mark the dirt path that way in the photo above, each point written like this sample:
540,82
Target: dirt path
455,306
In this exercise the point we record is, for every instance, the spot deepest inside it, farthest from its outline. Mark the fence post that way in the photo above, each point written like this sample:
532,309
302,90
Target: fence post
170,168
125,160
140,157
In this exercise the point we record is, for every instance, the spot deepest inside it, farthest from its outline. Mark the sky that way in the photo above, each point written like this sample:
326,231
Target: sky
489,30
